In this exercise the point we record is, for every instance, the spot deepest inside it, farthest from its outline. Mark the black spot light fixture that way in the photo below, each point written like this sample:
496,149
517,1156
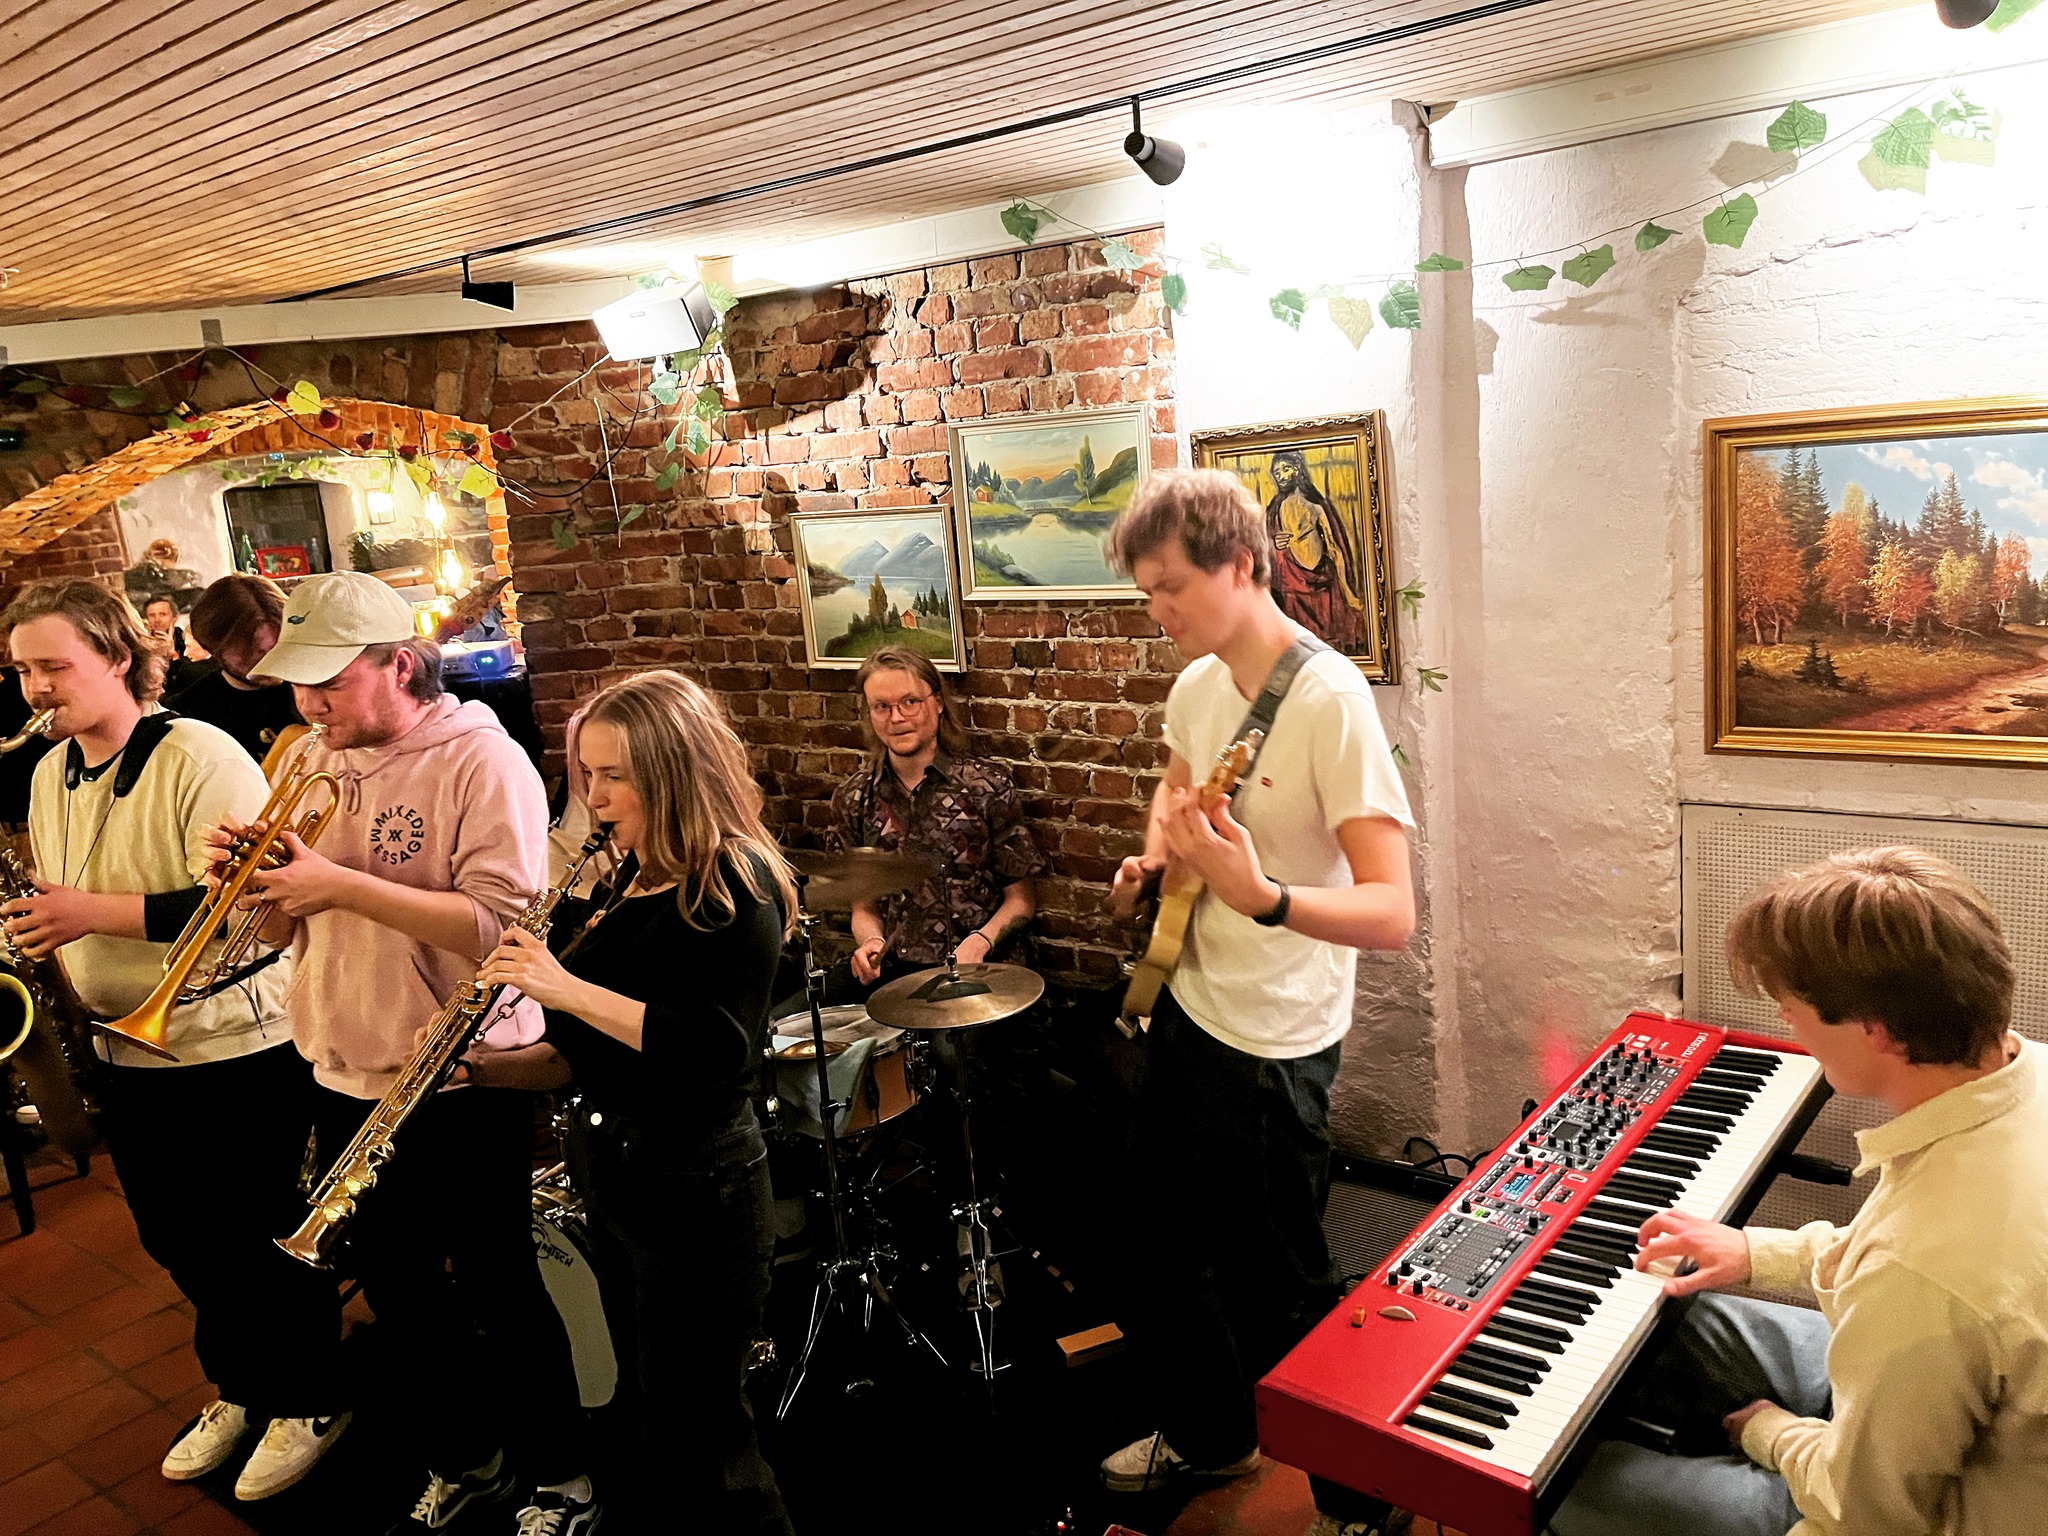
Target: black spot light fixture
1160,159
1964,13
497,295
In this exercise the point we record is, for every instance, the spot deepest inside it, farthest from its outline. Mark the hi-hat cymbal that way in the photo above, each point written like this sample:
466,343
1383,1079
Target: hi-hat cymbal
941,999
835,881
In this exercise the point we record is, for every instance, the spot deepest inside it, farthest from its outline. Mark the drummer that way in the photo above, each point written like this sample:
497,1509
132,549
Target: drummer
921,793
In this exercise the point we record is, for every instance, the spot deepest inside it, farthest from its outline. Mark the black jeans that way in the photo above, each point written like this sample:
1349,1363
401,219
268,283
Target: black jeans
683,1238
444,1247
1233,1267
209,1158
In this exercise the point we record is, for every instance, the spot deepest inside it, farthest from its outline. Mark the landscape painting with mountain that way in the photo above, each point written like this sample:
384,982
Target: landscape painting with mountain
1892,585
872,579
1034,500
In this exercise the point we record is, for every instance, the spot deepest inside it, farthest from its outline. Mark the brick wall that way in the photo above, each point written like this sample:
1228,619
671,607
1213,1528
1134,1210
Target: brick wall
845,397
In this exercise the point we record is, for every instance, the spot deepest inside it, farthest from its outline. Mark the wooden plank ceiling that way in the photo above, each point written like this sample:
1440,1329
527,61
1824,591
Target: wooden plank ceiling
161,154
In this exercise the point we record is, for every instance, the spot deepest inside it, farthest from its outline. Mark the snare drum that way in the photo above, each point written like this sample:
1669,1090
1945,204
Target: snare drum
887,1088
562,1249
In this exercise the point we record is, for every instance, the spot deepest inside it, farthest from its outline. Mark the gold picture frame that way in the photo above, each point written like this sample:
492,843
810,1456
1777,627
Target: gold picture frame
1335,499
1870,582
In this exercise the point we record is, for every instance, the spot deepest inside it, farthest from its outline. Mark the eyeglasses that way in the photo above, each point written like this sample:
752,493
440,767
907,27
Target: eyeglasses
904,707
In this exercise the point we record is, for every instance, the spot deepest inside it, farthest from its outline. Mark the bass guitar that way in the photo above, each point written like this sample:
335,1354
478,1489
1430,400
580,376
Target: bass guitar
1179,890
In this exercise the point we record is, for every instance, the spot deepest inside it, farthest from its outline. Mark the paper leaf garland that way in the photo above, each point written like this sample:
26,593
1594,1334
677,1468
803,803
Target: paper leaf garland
1353,317
1402,307
1588,267
1528,279
1906,141
1173,289
1798,127
1652,235
1729,224
1437,261
477,481
1022,221
1216,260
304,399
1118,256
1286,307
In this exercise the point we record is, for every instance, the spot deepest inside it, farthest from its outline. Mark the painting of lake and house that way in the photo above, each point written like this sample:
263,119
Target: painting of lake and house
1034,498
873,579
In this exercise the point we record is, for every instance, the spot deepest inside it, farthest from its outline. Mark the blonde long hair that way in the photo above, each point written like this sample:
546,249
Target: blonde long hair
702,805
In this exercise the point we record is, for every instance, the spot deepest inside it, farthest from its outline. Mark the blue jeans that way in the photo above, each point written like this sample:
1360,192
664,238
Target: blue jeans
1727,1352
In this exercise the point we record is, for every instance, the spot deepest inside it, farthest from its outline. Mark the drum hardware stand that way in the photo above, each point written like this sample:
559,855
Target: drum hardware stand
845,1274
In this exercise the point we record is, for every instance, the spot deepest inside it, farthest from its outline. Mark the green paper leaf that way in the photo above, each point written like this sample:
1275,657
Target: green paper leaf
718,296
650,279
1588,267
1977,146
422,476
1729,224
1353,317
1394,748
667,477
1324,291
124,396
2008,12
675,435
1287,306
1402,307
1907,140
304,398
1528,279
31,386
477,481
1410,598
1214,258
1173,289
630,515
1798,127
565,535
1652,235
1892,178
1118,256
666,388
698,438
1431,678
1437,261
708,406
1022,221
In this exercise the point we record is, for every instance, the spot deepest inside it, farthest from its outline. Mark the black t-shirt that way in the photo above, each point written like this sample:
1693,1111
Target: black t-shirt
707,993
253,716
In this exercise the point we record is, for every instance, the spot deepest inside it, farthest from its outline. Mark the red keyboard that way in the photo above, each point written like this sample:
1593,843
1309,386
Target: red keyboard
1457,1379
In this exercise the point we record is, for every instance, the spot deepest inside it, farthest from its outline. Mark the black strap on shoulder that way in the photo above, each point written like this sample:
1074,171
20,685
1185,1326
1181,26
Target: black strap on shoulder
1267,705
147,736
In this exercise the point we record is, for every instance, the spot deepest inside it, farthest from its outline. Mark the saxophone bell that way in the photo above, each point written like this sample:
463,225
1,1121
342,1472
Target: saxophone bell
38,725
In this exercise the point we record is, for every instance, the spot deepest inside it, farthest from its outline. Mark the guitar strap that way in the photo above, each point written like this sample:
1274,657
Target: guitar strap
1267,704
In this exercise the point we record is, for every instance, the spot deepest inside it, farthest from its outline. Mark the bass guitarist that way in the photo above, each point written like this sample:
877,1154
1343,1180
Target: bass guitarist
1306,866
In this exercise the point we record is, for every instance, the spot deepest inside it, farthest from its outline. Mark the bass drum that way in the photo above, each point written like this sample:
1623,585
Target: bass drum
562,1249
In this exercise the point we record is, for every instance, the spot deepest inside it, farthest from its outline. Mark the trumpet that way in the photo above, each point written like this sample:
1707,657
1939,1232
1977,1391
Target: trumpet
38,723
255,851
464,1017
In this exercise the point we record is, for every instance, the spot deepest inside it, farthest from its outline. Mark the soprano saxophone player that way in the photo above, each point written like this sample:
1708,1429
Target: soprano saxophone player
439,839
664,1144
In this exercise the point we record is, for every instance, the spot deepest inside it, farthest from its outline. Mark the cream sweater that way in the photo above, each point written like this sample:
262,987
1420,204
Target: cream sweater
1937,1293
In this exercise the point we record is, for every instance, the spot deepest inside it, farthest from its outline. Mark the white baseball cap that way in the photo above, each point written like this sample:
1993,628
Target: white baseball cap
331,620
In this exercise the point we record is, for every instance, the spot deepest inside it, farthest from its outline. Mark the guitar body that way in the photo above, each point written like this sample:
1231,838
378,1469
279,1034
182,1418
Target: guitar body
1179,890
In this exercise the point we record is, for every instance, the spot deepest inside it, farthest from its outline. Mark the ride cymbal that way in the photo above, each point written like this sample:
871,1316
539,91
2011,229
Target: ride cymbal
943,999
835,881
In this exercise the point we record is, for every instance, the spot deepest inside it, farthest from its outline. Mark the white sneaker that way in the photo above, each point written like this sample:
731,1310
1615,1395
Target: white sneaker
289,1449
443,1501
208,1443
1151,1463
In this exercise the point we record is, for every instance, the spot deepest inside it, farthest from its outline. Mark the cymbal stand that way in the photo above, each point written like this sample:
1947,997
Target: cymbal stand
846,1275
984,1292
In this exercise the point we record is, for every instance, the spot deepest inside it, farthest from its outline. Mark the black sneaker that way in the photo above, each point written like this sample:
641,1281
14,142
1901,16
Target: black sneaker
553,1513
443,1502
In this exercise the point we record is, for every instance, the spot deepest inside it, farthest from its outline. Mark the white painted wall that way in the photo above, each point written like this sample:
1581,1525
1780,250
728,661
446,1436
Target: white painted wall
1548,473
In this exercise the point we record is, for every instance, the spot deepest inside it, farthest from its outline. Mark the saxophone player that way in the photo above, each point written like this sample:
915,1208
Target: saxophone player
118,820
664,1144
438,839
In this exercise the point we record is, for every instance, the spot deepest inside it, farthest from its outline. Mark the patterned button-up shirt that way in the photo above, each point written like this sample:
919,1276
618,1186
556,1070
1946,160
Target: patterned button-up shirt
965,815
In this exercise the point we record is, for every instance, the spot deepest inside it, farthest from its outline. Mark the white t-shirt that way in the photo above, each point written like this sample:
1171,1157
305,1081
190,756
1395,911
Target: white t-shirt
153,839
1270,991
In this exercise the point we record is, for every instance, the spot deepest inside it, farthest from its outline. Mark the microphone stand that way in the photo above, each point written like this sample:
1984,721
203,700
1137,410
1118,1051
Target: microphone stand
845,1276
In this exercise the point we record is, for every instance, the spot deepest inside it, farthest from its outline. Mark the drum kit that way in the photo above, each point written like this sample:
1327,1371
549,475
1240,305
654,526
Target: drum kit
881,1078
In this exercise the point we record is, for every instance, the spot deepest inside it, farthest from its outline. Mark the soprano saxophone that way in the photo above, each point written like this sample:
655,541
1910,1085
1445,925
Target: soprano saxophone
461,1020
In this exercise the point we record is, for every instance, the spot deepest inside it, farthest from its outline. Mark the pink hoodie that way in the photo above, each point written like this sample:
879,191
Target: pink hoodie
452,805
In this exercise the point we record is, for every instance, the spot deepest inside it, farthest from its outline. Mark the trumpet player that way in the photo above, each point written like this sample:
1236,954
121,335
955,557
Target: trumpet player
118,822
438,839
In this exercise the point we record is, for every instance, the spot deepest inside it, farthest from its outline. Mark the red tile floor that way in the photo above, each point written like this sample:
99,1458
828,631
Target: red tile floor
97,1374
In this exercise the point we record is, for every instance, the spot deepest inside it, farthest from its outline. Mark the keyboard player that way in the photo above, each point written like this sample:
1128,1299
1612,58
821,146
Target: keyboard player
1915,1400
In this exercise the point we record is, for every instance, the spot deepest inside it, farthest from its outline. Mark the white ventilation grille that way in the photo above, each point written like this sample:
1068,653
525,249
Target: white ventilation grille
1727,852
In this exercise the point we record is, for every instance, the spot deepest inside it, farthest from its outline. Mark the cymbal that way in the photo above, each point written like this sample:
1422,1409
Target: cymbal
807,1050
937,999
837,880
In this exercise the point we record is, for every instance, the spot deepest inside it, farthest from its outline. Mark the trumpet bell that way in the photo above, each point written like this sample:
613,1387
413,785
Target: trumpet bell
146,1026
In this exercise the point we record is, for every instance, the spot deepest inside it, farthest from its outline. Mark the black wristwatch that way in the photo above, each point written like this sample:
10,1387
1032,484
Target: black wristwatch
1278,916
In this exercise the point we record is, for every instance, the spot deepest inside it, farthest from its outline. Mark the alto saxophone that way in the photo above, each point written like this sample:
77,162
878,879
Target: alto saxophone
59,1079
464,1017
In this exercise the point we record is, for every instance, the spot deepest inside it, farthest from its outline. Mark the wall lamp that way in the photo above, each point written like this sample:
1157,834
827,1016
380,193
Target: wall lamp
1964,13
497,295
1160,159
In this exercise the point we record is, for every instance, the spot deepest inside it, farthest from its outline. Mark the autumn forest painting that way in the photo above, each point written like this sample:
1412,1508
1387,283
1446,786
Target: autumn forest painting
1892,585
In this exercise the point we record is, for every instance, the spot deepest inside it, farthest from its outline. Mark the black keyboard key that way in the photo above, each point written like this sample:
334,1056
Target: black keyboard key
1513,1361
1615,1214
1565,1267
1448,1430
1499,1381
1735,1082
1748,1061
1477,1398
1656,1162
1555,1290
1477,1415
1543,1308
1598,1250
1698,1120
1507,1328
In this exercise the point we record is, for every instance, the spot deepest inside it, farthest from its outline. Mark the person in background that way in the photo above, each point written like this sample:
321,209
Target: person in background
237,620
663,1143
181,670
1914,1402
